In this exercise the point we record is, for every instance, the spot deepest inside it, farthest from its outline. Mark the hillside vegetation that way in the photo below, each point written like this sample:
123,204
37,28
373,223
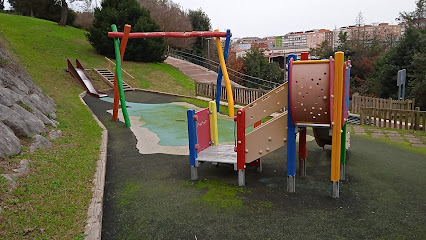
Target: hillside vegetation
52,200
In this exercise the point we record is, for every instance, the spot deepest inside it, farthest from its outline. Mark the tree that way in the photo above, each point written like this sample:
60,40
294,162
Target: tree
65,10
237,65
255,65
44,9
64,13
200,22
1,5
171,18
121,12
409,53
323,51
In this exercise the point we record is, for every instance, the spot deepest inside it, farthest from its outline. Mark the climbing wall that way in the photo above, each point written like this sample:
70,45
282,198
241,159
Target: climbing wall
310,91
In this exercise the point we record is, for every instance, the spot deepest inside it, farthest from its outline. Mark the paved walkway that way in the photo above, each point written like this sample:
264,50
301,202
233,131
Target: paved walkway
198,73
394,136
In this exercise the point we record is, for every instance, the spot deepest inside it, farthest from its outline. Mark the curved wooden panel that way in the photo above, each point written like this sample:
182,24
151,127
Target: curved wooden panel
310,92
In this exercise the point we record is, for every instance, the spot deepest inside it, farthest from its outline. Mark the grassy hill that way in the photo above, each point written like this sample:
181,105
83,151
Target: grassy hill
52,201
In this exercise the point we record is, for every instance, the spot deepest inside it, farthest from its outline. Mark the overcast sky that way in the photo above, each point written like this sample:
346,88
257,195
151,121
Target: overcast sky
262,18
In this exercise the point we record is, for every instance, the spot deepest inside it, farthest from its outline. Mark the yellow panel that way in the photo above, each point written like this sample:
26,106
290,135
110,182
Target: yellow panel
266,105
266,138
214,136
337,116
225,77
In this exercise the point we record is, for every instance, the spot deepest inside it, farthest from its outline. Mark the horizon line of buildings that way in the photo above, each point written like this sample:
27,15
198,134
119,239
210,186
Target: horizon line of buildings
297,42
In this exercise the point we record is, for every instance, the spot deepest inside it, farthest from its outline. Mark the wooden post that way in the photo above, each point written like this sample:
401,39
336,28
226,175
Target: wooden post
417,119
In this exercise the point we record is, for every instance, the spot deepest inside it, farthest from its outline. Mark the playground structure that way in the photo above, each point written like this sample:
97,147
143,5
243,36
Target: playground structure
84,79
316,95
121,47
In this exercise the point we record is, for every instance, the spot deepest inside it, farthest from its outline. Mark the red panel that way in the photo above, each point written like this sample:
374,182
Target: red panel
241,139
304,56
168,34
203,129
302,144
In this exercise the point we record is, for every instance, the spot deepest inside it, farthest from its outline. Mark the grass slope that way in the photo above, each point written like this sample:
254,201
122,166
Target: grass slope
52,201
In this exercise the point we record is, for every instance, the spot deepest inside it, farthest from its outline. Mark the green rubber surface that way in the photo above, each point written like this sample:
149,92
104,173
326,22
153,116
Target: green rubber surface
150,196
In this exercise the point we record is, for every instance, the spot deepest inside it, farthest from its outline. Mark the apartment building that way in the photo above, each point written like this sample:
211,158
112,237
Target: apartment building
384,32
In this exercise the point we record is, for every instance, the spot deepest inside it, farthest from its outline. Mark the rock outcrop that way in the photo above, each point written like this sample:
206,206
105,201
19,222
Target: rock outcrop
24,110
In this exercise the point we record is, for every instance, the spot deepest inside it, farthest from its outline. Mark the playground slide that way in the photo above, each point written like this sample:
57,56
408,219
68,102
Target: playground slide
83,77
322,136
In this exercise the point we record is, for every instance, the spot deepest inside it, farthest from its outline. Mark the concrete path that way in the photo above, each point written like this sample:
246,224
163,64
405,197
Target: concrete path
394,136
198,73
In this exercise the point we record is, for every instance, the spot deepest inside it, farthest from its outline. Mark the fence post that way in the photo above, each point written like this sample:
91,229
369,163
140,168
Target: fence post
417,119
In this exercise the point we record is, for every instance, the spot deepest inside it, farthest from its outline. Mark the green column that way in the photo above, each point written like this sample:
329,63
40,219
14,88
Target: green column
119,77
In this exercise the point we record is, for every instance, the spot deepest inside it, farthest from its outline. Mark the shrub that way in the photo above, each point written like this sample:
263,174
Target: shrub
121,13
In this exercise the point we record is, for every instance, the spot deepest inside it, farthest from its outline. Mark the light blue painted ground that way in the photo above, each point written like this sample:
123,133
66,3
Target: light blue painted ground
168,121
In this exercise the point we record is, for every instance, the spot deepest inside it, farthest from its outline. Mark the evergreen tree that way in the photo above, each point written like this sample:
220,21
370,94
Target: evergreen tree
256,65
200,22
121,12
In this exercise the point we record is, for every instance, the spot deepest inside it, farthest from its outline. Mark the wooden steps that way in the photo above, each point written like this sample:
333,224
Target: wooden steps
108,77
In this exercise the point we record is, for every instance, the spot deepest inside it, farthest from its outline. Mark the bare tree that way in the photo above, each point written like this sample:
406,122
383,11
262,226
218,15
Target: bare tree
64,11
171,18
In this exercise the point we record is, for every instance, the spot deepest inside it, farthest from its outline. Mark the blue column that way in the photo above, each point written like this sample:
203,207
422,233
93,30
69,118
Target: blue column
291,132
192,136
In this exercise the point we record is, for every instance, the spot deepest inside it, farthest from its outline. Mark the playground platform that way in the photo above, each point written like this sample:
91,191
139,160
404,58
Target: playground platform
150,196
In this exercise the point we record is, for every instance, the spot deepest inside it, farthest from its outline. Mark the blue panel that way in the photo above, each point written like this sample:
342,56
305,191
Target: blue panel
192,136
219,74
291,132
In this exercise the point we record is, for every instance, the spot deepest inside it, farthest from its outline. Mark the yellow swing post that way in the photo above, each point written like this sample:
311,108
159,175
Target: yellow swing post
226,77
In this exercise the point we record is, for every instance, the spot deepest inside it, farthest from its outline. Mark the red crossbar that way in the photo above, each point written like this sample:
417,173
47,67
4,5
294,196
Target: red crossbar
168,34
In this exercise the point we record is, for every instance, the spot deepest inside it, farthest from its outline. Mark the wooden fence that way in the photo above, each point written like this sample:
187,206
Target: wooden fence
380,103
241,95
393,118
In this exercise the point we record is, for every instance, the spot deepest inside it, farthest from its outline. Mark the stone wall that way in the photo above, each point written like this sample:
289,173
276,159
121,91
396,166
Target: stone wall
24,110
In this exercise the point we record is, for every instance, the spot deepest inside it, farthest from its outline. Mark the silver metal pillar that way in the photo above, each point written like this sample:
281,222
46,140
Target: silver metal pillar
259,169
335,190
291,183
194,173
302,167
241,177
342,172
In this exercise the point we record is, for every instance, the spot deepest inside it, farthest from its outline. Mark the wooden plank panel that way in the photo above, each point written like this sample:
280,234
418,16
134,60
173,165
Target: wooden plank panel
266,138
219,154
266,105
